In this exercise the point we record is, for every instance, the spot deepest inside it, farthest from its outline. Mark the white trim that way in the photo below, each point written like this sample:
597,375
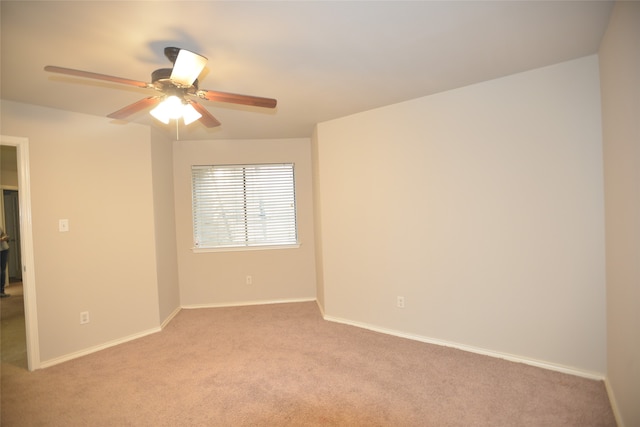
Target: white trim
471,349
26,243
246,248
245,303
170,318
614,404
90,350
321,309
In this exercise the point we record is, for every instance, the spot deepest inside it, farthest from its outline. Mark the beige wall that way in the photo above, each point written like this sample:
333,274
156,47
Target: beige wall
165,224
218,278
482,207
620,80
98,176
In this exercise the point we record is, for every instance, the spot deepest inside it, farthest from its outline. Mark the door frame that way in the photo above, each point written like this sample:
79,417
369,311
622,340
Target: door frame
26,241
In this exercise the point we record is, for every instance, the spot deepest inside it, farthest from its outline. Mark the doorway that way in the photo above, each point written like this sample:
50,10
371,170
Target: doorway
26,266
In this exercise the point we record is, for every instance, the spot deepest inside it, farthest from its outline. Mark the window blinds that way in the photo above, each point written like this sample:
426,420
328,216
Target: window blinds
243,205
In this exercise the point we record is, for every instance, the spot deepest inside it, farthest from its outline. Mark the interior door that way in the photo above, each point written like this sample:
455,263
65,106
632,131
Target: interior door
12,224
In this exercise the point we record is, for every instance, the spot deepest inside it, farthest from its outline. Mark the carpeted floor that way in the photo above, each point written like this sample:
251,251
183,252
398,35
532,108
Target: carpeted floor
283,365
13,341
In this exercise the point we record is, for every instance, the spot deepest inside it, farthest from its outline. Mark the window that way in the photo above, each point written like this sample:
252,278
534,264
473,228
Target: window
243,206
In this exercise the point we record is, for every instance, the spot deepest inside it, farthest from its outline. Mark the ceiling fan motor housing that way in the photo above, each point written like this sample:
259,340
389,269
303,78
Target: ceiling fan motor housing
161,80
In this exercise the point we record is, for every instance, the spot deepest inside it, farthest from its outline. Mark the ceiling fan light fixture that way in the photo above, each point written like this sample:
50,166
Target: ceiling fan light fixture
189,114
170,108
160,115
187,68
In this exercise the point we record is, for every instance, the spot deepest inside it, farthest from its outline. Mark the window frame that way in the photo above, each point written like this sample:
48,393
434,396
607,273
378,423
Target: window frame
247,246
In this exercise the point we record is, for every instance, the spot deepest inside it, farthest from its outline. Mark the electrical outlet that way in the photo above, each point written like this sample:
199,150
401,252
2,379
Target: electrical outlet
400,302
249,280
84,317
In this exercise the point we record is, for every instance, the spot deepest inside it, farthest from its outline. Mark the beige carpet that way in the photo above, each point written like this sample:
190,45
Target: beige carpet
283,365
13,341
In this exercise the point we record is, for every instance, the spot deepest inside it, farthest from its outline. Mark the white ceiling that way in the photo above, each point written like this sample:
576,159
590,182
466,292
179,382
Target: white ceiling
321,60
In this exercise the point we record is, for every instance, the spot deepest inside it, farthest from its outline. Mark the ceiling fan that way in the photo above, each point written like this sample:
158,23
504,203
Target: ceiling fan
176,86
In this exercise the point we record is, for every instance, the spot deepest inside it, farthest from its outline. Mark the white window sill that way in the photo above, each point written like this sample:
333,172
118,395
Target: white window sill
245,248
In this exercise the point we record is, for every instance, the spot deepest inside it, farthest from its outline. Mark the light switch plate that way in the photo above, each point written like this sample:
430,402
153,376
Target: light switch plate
63,225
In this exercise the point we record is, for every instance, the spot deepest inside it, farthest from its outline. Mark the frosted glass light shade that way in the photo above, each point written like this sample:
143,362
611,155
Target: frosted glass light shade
189,114
173,107
170,108
187,68
160,114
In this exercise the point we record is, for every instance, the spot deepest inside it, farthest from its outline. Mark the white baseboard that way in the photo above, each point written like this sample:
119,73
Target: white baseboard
90,350
428,340
87,351
170,318
321,308
245,303
613,403
471,349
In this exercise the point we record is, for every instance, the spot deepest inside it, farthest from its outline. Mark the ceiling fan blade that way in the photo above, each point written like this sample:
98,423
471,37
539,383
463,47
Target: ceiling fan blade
187,67
125,112
207,119
90,75
234,98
